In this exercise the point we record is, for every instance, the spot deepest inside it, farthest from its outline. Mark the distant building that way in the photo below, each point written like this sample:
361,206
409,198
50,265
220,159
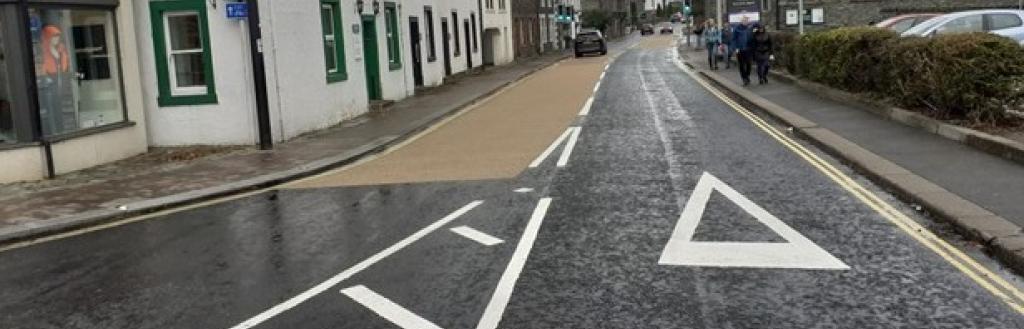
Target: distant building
497,36
820,14
526,27
559,22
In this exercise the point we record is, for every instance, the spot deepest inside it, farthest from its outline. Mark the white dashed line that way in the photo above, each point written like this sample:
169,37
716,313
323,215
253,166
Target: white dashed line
564,159
387,309
586,106
473,234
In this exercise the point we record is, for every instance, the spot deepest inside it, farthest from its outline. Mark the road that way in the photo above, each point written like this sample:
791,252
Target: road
604,192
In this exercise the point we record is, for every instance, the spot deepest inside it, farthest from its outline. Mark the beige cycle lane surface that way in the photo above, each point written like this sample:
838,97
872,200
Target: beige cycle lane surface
495,139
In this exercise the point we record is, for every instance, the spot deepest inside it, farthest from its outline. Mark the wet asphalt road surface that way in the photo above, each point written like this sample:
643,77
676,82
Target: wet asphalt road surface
650,136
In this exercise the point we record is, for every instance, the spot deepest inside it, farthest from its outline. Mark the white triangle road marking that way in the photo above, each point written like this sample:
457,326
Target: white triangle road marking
571,133
476,235
797,252
387,309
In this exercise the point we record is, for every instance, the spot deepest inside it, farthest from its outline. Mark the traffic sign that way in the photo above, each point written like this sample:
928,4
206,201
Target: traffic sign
237,10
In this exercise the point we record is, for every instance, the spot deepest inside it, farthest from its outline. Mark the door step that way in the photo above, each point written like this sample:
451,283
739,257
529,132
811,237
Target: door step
380,107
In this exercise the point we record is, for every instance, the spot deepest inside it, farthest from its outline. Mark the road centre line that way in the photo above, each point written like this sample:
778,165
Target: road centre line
564,159
597,86
503,292
475,235
387,309
988,280
554,145
586,106
348,273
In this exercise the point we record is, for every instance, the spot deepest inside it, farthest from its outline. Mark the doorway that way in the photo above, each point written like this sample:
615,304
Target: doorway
417,55
446,47
371,59
469,45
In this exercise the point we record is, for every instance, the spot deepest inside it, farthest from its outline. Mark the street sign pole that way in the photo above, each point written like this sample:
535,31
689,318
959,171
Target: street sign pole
800,8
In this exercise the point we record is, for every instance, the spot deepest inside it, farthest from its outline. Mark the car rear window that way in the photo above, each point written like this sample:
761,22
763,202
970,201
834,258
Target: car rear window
588,36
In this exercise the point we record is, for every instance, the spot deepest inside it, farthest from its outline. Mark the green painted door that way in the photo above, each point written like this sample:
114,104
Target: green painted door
371,58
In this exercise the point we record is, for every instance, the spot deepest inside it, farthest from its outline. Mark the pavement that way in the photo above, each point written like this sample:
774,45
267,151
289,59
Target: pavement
948,178
659,205
121,190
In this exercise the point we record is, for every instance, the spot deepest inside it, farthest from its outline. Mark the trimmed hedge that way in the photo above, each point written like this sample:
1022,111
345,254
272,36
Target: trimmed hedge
976,76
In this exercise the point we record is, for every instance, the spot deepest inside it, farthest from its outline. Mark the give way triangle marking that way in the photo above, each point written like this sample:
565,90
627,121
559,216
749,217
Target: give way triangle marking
797,252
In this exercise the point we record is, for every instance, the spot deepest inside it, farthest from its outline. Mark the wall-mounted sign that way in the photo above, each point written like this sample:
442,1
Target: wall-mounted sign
818,16
792,17
736,18
237,10
738,9
814,16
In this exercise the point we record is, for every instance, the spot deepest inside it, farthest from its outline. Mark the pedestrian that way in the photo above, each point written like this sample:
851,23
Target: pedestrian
761,46
712,39
727,41
741,35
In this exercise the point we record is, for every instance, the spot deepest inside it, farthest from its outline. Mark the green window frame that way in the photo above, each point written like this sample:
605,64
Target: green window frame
334,40
394,43
170,93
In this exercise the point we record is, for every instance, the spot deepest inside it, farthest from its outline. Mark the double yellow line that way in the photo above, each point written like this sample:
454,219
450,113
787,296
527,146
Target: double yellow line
992,282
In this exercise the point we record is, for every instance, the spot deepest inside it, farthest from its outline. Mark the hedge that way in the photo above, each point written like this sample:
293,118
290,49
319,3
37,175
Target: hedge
976,76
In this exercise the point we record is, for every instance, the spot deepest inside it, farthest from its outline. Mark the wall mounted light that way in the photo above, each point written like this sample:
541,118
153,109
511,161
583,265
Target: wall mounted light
359,7
376,7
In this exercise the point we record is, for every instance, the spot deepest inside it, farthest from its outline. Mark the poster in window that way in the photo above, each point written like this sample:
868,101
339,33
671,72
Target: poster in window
818,16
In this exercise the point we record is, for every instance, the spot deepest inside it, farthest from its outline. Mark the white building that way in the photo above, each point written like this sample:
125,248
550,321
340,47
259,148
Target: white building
497,38
69,87
559,23
319,71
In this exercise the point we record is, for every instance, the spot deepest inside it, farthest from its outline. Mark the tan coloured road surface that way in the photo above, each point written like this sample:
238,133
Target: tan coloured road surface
657,42
497,139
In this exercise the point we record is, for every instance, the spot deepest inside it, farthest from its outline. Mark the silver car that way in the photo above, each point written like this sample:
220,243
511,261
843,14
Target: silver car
1007,23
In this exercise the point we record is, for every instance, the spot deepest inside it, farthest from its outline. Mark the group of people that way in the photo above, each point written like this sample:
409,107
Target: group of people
748,42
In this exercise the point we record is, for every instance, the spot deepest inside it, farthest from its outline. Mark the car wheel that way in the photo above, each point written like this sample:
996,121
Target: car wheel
578,55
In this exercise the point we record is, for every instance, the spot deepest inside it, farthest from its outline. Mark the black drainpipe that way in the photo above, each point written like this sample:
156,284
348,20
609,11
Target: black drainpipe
259,76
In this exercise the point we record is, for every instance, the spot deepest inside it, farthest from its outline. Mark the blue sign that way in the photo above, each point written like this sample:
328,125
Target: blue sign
237,10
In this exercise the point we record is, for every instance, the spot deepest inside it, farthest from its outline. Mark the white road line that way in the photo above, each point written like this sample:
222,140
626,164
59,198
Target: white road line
388,309
306,295
473,234
503,292
540,159
586,106
523,190
602,76
564,159
597,86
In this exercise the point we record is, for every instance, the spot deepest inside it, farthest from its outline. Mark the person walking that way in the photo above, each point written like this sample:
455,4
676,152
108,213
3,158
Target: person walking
741,35
727,41
761,46
712,39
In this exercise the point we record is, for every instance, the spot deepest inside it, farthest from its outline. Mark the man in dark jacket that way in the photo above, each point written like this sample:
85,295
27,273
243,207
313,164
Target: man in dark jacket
741,35
761,46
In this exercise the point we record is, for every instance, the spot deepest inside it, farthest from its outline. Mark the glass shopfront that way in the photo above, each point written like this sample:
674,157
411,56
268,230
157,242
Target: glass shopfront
69,54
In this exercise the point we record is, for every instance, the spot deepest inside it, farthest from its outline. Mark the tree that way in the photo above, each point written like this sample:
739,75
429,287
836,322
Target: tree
597,19
659,12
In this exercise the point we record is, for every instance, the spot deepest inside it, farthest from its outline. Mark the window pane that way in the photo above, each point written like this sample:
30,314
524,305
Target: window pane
971,23
188,70
183,30
76,69
330,45
1005,21
6,108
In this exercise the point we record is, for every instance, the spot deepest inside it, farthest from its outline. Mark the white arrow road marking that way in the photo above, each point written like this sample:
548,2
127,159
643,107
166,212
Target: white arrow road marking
798,251
475,235
503,292
573,134
387,309
323,286
586,106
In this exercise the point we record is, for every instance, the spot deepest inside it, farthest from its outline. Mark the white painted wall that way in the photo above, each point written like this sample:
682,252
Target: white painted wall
500,21
22,164
301,100
233,119
433,72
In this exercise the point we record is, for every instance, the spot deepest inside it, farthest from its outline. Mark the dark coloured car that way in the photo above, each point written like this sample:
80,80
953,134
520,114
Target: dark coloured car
666,30
588,42
647,29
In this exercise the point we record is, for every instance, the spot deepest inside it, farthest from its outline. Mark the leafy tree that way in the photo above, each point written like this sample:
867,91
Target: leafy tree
597,19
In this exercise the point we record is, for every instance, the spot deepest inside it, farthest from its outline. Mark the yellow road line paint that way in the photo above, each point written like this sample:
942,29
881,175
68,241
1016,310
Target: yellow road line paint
992,282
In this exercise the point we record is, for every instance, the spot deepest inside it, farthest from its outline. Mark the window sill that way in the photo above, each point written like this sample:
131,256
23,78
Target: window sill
336,77
394,66
17,145
165,101
89,131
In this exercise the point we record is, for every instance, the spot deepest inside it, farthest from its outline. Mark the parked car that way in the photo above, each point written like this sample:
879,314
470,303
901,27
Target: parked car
590,41
1007,23
646,29
902,23
666,29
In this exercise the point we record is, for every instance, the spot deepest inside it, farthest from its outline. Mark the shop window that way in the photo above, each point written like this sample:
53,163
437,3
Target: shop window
394,43
76,69
334,42
182,47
